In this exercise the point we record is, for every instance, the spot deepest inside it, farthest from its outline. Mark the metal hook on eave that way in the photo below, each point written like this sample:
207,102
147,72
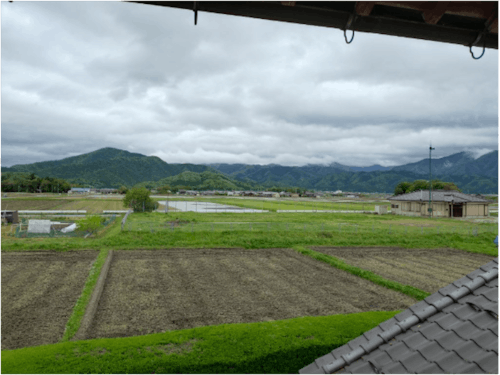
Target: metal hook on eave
481,35
350,21
195,9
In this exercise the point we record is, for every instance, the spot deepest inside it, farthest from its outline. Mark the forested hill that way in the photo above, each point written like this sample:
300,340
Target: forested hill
110,167
107,167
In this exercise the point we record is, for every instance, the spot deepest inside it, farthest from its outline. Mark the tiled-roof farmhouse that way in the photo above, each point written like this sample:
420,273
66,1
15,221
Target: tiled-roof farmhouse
455,330
444,204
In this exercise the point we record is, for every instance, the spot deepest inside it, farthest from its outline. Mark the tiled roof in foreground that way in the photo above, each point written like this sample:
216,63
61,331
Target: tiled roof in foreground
455,330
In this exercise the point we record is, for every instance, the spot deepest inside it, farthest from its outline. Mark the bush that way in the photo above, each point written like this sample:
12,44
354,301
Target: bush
139,200
90,224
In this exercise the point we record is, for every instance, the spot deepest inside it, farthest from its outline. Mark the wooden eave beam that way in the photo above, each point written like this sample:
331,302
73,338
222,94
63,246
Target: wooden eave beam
435,12
364,8
333,18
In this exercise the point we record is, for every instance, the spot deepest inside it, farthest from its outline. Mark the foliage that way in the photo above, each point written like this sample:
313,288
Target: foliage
139,200
405,187
30,183
90,223
122,189
166,189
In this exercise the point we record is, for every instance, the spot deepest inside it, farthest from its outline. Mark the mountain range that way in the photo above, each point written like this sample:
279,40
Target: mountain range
110,167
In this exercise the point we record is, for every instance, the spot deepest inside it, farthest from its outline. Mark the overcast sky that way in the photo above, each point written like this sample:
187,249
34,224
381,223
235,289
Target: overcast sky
79,76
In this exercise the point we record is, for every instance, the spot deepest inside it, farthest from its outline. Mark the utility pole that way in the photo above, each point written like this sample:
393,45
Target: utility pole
430,181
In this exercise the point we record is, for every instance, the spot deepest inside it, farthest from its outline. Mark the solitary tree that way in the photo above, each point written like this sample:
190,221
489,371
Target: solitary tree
139,200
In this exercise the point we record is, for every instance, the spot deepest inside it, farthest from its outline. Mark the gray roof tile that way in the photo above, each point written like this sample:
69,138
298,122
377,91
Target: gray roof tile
413,362
488,361
449,340
471,368
311,369
380,359
469,349
395,368
432,368
415,340
362,368
458,334
485,339
397,350
431,351
450,362
438,196
482,320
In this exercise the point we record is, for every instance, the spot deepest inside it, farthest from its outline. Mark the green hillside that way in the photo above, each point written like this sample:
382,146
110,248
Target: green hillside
107,167
201,181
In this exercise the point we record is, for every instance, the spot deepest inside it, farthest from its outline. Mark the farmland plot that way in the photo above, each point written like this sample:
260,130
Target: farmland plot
161,290
426,269
39,291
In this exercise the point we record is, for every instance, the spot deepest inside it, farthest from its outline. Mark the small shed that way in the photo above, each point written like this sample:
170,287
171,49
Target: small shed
10,216
39,226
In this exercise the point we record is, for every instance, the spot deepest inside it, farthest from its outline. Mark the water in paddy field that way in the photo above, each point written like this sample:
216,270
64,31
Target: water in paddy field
205,207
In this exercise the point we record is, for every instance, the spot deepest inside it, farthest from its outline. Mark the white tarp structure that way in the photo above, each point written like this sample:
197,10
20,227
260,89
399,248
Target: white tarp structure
39,226
69,228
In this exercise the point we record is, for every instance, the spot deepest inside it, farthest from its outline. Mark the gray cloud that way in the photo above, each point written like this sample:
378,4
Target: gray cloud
78,76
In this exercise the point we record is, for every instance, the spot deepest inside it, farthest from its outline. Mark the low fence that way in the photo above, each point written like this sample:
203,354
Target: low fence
342,228
21,230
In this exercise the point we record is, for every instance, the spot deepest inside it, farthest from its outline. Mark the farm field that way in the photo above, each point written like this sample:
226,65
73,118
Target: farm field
92,206
149,291
425,269
39,290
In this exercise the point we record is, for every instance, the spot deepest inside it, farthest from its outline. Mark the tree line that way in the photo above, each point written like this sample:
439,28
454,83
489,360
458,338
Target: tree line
30,183
405,187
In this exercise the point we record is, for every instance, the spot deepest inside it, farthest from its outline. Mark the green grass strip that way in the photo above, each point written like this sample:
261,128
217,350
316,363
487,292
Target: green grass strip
75,319
368,275
279,347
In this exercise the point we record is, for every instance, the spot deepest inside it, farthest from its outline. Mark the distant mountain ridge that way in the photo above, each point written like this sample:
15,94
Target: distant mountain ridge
110,167
107,167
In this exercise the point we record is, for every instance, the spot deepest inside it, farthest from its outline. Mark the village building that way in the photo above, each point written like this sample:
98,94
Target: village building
270,194
79,191
444,204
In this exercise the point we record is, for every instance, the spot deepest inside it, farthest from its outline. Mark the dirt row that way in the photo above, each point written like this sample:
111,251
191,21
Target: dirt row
157,291
426,269
39,291
149,291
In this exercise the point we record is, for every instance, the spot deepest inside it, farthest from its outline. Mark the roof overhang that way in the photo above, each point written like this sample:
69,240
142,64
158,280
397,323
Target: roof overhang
467,23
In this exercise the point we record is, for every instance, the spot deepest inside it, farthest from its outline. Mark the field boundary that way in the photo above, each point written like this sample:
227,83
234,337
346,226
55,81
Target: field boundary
91,309
368,275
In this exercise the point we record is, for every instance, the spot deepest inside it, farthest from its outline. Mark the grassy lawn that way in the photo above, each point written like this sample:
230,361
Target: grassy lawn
260,348
274,230
283,346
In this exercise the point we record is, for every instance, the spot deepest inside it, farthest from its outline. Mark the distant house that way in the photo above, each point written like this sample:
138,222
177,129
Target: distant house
106,191
270,194
79,191
453,331
444,204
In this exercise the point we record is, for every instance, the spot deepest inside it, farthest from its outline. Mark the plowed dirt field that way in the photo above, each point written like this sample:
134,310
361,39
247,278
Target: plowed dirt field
39,291
426,269
159,290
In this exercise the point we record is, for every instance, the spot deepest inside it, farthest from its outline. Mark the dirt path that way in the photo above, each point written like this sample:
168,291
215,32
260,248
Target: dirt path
39,290
160,290
426,269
